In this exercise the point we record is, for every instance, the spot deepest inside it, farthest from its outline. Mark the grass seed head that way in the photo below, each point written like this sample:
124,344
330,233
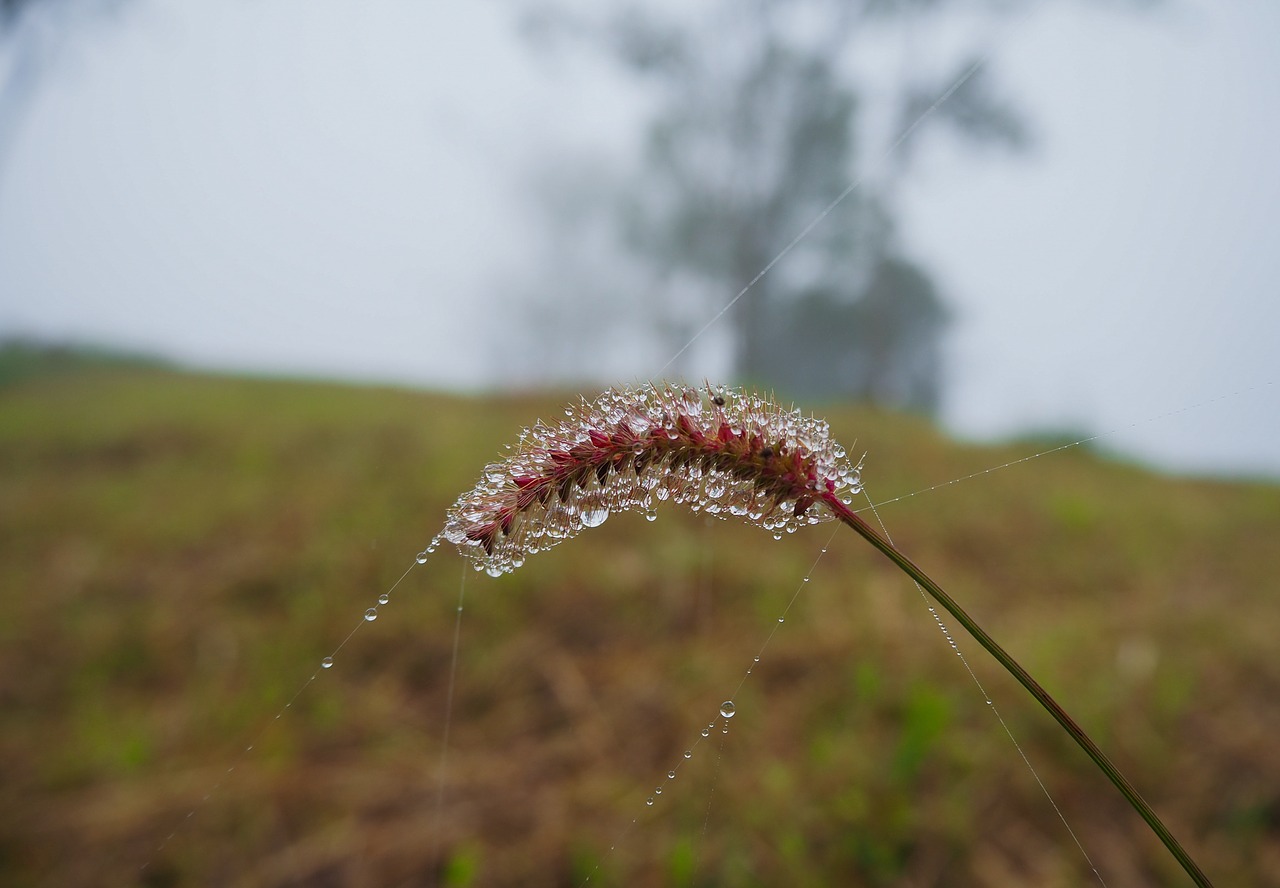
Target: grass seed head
722,452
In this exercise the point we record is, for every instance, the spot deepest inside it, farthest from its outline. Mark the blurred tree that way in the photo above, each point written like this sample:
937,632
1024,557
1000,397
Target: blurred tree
766,113
32,32
882,346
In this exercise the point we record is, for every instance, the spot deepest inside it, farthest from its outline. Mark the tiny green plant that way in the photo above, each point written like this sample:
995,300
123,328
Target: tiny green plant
725,453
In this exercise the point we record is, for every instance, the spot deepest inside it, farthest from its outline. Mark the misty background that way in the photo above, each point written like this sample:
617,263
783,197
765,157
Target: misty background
498,195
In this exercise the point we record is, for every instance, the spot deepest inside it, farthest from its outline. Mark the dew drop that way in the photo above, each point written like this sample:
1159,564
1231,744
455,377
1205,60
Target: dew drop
727,709
649,801
657,790
594,511
782,619
806,579
326,663
688,753
371,614
650,516
384,598
725,729
671,775
706,732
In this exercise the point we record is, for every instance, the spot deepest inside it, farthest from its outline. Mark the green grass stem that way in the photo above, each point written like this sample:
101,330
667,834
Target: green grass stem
871,535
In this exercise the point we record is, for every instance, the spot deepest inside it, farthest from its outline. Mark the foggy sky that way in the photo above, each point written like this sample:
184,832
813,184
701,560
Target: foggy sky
341,190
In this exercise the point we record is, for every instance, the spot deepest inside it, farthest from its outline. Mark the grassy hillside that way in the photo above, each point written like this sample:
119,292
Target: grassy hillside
179,552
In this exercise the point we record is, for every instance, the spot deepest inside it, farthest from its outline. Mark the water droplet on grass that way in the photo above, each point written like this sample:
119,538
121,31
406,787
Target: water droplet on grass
593,509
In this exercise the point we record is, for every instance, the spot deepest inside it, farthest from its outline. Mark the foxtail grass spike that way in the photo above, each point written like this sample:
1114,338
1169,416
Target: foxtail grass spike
725,454
722,452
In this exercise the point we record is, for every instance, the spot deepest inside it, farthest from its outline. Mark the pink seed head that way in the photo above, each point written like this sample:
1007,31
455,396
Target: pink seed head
726,453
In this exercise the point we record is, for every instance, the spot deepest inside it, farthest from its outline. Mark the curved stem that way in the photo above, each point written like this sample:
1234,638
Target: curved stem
1042,696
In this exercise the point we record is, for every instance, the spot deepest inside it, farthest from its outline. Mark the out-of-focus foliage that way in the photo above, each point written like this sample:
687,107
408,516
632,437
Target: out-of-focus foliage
32,35
766,118
763,118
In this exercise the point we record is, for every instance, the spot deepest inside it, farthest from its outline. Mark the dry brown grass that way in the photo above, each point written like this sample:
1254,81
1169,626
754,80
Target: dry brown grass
180,551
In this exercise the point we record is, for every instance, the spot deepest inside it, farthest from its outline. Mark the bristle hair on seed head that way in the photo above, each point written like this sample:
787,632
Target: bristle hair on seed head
720,451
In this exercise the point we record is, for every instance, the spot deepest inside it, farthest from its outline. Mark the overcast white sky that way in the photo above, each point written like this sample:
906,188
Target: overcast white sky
336,188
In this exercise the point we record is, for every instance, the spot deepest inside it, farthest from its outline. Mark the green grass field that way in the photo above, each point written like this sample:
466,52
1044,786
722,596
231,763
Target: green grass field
180,551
